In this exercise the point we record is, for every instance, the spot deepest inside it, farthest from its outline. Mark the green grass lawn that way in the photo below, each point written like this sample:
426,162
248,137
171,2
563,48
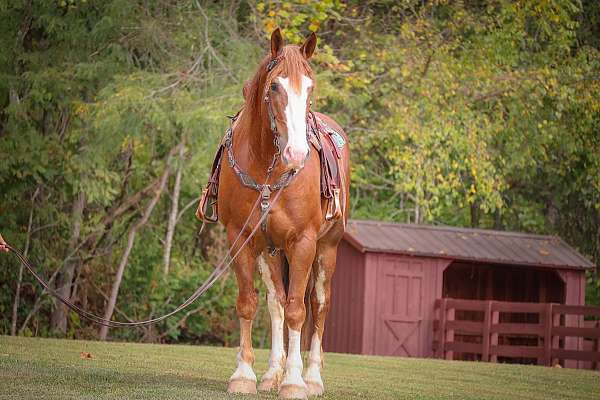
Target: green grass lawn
54,369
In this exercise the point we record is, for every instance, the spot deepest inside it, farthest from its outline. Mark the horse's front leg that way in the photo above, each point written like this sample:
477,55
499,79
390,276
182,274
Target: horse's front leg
300,256
270,270
243,379
323,268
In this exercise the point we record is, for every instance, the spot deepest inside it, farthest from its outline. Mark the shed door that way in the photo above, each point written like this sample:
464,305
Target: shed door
399,308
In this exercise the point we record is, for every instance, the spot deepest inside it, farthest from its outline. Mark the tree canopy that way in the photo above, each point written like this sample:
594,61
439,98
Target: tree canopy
482,114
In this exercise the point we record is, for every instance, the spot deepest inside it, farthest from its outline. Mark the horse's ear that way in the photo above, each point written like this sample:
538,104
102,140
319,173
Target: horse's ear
308,48
276,42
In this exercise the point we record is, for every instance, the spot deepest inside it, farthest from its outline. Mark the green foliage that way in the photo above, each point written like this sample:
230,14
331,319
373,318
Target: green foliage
96,94
469,114
479,114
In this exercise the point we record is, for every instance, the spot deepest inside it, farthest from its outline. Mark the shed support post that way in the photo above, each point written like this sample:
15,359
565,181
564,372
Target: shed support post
442,332
555,341
596,365
548,322
450,332
487,327
494,336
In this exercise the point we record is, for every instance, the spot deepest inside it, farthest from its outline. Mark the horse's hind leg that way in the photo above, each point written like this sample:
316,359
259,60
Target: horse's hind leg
243,379
270,270
323,268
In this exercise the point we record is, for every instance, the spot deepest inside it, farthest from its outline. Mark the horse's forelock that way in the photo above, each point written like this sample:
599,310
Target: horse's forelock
291,65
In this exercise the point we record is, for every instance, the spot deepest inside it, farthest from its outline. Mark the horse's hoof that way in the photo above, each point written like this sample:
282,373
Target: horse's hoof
270,381
292,392
242,386
314,388
266,385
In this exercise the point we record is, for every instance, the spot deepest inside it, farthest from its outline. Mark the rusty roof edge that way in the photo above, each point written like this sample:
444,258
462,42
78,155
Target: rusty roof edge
590,263
356,243
455,229
471,259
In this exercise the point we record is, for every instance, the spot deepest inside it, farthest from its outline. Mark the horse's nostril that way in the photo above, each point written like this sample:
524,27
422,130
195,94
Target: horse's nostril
294,157
287,153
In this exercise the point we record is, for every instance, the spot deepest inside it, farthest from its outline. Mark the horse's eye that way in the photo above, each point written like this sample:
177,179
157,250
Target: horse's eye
273,87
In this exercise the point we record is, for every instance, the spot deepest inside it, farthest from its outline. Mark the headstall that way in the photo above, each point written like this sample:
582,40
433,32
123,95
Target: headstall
245,179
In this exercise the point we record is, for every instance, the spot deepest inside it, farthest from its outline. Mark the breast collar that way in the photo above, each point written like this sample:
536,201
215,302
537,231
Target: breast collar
265,189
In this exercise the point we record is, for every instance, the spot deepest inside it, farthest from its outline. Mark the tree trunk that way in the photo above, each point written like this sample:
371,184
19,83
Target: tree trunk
65,281
15,310
498,220
89,241
112,301
173,215
474,214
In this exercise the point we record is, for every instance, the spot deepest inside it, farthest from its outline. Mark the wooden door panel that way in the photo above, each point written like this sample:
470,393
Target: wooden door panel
399,307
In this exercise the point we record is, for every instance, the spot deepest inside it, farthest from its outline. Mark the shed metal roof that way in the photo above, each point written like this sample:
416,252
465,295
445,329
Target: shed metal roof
480,245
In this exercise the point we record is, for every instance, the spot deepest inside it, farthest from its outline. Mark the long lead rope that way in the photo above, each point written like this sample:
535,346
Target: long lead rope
213,277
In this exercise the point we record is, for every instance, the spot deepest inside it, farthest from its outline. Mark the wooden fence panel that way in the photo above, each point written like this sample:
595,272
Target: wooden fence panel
590,311
519,329
548,332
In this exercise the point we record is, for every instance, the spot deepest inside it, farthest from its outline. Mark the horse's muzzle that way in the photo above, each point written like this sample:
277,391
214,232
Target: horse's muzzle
294,158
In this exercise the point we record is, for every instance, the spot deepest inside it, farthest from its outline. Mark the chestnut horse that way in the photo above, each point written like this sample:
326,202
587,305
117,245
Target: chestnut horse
277,104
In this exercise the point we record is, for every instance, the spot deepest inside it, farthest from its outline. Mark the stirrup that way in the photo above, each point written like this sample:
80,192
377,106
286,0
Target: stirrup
334,210
203,206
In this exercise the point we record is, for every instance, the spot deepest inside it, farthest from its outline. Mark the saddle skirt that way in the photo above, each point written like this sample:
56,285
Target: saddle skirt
325,140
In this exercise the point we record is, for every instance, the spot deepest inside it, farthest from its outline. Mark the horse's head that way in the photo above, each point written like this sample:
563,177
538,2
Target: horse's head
287,88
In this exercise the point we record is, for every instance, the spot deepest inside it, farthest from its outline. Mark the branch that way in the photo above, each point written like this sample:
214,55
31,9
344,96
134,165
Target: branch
207,39
172,223
131,240
187,207
118,211
117,309
15,309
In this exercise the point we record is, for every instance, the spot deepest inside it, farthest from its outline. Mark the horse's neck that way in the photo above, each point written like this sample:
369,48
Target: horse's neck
255,141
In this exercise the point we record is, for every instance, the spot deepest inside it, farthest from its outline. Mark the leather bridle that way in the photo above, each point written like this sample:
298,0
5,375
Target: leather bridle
266,204
246,180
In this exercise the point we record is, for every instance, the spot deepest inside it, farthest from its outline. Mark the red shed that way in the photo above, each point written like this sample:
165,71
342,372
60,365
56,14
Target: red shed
390,276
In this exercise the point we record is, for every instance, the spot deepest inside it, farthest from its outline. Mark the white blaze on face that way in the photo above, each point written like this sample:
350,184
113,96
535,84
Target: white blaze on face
296,148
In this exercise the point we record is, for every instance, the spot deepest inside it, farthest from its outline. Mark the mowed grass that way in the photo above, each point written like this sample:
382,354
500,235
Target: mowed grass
54,369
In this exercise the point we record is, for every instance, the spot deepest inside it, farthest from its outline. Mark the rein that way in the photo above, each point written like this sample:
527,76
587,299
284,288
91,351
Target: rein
213,277
266,204
265,190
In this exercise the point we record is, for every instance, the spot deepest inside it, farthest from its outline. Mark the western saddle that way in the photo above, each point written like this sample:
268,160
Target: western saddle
326,140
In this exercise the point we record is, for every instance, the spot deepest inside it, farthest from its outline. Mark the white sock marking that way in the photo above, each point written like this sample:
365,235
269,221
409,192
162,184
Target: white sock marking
293,366
277,357
313,372
320,284
244,370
